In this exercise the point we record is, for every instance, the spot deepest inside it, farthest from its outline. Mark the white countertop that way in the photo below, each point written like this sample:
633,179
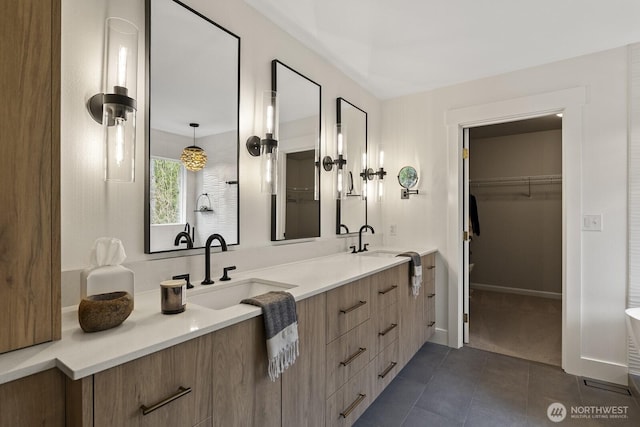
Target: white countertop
147,330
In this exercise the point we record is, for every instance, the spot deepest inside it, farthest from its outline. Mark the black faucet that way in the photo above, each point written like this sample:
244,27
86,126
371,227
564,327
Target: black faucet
207,256
187,240
363,228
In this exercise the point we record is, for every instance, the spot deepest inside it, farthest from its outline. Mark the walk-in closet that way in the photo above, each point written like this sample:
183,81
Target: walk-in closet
515,251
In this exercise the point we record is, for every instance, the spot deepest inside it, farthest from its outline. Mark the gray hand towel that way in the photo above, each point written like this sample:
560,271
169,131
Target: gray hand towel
281,329
416,271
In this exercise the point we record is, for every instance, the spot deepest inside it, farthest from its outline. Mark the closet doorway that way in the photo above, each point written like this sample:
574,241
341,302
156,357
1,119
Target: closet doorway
514,180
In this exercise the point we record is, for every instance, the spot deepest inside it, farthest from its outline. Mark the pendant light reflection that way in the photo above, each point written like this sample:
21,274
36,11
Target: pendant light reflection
193,157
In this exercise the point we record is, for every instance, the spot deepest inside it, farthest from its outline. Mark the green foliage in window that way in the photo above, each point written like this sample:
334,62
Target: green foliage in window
166,184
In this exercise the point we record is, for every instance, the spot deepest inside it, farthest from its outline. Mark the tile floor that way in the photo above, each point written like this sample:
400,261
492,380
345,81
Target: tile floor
469,387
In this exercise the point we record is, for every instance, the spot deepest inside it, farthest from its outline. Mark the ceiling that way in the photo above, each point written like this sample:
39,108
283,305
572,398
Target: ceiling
400,47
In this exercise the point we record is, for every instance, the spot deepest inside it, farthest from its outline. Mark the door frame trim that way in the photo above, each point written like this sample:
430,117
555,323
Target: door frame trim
570,103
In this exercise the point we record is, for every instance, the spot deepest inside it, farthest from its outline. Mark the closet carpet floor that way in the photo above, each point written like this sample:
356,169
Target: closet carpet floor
522,326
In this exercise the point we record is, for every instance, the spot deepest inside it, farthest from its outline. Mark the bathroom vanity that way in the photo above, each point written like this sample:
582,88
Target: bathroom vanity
358,325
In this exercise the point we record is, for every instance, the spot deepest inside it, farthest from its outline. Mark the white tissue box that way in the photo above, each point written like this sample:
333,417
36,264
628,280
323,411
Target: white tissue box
108,278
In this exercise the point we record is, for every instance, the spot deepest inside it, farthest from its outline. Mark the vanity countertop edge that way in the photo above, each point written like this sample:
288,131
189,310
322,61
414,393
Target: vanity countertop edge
147,330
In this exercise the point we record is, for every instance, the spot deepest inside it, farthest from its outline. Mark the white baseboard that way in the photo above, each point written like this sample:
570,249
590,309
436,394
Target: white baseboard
603,370
531,292
441,336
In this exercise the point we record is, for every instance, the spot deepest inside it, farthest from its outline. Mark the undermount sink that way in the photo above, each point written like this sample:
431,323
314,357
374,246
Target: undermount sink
380,253
221,296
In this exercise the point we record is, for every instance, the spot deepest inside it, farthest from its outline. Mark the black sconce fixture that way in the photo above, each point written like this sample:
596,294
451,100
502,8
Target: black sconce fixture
267,147
114,108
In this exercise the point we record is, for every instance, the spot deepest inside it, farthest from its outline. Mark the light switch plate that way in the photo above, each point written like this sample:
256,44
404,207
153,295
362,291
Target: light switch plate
592,222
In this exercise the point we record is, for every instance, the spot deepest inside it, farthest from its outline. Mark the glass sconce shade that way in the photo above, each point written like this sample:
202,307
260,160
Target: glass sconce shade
267,147
115,108
342,187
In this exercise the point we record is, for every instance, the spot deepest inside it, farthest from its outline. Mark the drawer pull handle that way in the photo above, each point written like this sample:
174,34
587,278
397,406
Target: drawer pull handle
181,392
359,399
387,290
431,267
431,324
386,371
389,329
350,309
354,356
431,295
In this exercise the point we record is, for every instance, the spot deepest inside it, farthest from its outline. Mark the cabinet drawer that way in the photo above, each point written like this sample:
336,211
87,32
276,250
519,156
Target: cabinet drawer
385,287
180,376
429,268
347,307
347,355
430,316
346,405
387,367
387,327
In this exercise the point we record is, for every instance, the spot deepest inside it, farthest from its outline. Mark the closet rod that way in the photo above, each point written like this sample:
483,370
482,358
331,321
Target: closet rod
517,180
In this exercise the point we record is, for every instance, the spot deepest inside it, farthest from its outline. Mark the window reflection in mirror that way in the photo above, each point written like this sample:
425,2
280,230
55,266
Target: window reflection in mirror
352,207
193,77
295,212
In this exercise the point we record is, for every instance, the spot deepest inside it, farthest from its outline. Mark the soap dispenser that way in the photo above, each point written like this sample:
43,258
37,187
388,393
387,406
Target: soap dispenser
106,274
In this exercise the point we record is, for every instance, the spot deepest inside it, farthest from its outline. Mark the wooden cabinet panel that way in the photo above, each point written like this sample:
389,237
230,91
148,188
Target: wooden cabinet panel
429,283
386,368
29,172
352,399
243,394
36,400
385,287
347,355
120,392
303,383
387,328
347,307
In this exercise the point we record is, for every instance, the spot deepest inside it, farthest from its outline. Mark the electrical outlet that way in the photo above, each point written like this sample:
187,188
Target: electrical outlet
592,222
393,230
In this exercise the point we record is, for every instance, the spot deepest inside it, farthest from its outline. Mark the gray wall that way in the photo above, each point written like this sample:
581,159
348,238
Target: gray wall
520,242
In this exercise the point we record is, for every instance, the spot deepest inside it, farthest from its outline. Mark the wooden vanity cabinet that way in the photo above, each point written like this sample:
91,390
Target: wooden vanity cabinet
429,285
303,383
36,400
122,391
30,173
243,394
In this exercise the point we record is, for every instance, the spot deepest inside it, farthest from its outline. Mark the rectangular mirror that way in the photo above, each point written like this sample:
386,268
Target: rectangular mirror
193,93
295,209
351,209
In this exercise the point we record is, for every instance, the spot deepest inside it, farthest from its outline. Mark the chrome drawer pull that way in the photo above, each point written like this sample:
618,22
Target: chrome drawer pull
431,295
354,356
351,407
389,329
181,392
431,324
386,371
358,305
388,290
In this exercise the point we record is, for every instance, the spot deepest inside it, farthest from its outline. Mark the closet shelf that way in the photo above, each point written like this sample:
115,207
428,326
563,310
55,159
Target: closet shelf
517,180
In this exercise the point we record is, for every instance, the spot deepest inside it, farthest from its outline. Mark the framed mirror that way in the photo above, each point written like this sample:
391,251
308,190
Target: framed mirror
295,209
193,93
351,209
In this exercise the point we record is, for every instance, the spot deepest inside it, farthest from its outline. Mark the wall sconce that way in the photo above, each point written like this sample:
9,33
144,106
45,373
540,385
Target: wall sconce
193,157
267,148
369,174
114,108
339,162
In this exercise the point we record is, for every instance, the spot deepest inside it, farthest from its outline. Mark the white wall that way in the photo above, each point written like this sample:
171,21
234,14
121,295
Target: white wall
92,208
416,125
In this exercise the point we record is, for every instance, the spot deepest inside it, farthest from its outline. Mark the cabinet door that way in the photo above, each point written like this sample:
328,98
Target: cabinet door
429,266
411,317
243,394
36,400
120,392
347,307
29,173
303,383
